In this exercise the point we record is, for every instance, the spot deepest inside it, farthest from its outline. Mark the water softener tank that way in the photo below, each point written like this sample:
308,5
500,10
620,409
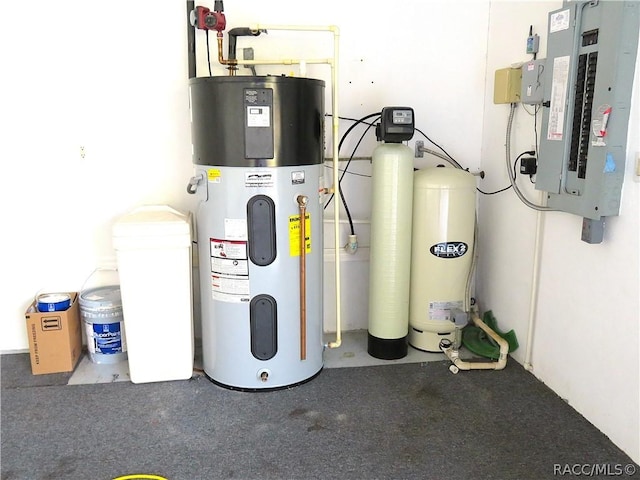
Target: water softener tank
258,150
390,250
444,206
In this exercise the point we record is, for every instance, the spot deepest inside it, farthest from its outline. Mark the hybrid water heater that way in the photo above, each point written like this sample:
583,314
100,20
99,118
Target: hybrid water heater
258,154
444,206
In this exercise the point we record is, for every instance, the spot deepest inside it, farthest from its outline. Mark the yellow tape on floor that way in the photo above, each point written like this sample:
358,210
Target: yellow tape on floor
140,476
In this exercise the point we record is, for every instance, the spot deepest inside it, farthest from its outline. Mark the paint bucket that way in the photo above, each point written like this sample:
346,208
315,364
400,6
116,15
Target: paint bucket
101,313
53,302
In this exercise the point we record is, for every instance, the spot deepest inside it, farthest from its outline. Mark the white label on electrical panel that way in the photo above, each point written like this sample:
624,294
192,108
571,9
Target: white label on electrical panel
235,229
559,86
559,21
258,116
599,124
442,310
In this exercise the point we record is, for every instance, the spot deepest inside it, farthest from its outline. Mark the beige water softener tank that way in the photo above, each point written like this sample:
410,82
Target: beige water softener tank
390,250
444,203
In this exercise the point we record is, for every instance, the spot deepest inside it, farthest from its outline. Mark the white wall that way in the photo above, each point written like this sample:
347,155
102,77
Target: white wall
586,335
94,76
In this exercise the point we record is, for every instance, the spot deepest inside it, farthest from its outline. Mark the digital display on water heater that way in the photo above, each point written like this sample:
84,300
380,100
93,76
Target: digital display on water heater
258,116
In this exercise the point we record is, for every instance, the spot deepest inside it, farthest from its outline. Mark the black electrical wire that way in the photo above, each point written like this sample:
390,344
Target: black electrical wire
344,201
355,174
515,172
342,139
206,33
453,160
493,193
350,119
535,134
346,167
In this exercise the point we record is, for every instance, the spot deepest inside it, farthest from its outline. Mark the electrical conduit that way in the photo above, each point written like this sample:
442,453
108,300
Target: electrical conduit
535,284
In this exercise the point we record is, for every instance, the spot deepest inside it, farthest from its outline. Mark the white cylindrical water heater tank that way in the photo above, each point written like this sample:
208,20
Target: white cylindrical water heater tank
444,206
258,148
390,251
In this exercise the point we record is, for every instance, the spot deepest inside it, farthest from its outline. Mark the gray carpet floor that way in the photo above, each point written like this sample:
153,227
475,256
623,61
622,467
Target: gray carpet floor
409,421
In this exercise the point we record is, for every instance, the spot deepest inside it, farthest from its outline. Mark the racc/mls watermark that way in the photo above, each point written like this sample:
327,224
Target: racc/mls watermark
593,469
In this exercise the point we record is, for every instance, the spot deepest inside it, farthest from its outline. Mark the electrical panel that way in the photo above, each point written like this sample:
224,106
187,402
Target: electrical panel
589,69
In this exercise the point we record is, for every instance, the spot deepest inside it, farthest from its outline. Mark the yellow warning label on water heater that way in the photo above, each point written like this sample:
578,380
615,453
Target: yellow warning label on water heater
214,175
294,234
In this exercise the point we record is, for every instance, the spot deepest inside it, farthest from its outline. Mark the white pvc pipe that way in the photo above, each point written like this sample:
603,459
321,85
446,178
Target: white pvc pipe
287,61
535,284
459,364
295,28
334,100
336,182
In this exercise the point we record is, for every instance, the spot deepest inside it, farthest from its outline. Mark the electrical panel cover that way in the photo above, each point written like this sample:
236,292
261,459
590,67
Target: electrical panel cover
589,69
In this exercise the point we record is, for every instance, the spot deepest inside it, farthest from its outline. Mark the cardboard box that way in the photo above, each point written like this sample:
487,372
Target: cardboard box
55,338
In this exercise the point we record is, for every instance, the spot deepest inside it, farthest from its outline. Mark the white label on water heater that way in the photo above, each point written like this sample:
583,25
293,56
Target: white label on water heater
297,178
442,310
259,178
229,288
229,266
235,229
229,270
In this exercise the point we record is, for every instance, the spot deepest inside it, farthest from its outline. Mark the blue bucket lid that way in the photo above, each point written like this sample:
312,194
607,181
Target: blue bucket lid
101,297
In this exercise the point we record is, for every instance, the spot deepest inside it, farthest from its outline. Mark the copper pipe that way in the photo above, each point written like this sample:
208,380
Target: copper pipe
232,63
302,204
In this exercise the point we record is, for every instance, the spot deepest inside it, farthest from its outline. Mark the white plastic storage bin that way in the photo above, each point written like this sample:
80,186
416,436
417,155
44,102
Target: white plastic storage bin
153,251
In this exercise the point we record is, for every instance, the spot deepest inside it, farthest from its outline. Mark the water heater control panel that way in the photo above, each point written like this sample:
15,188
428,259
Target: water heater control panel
258,127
